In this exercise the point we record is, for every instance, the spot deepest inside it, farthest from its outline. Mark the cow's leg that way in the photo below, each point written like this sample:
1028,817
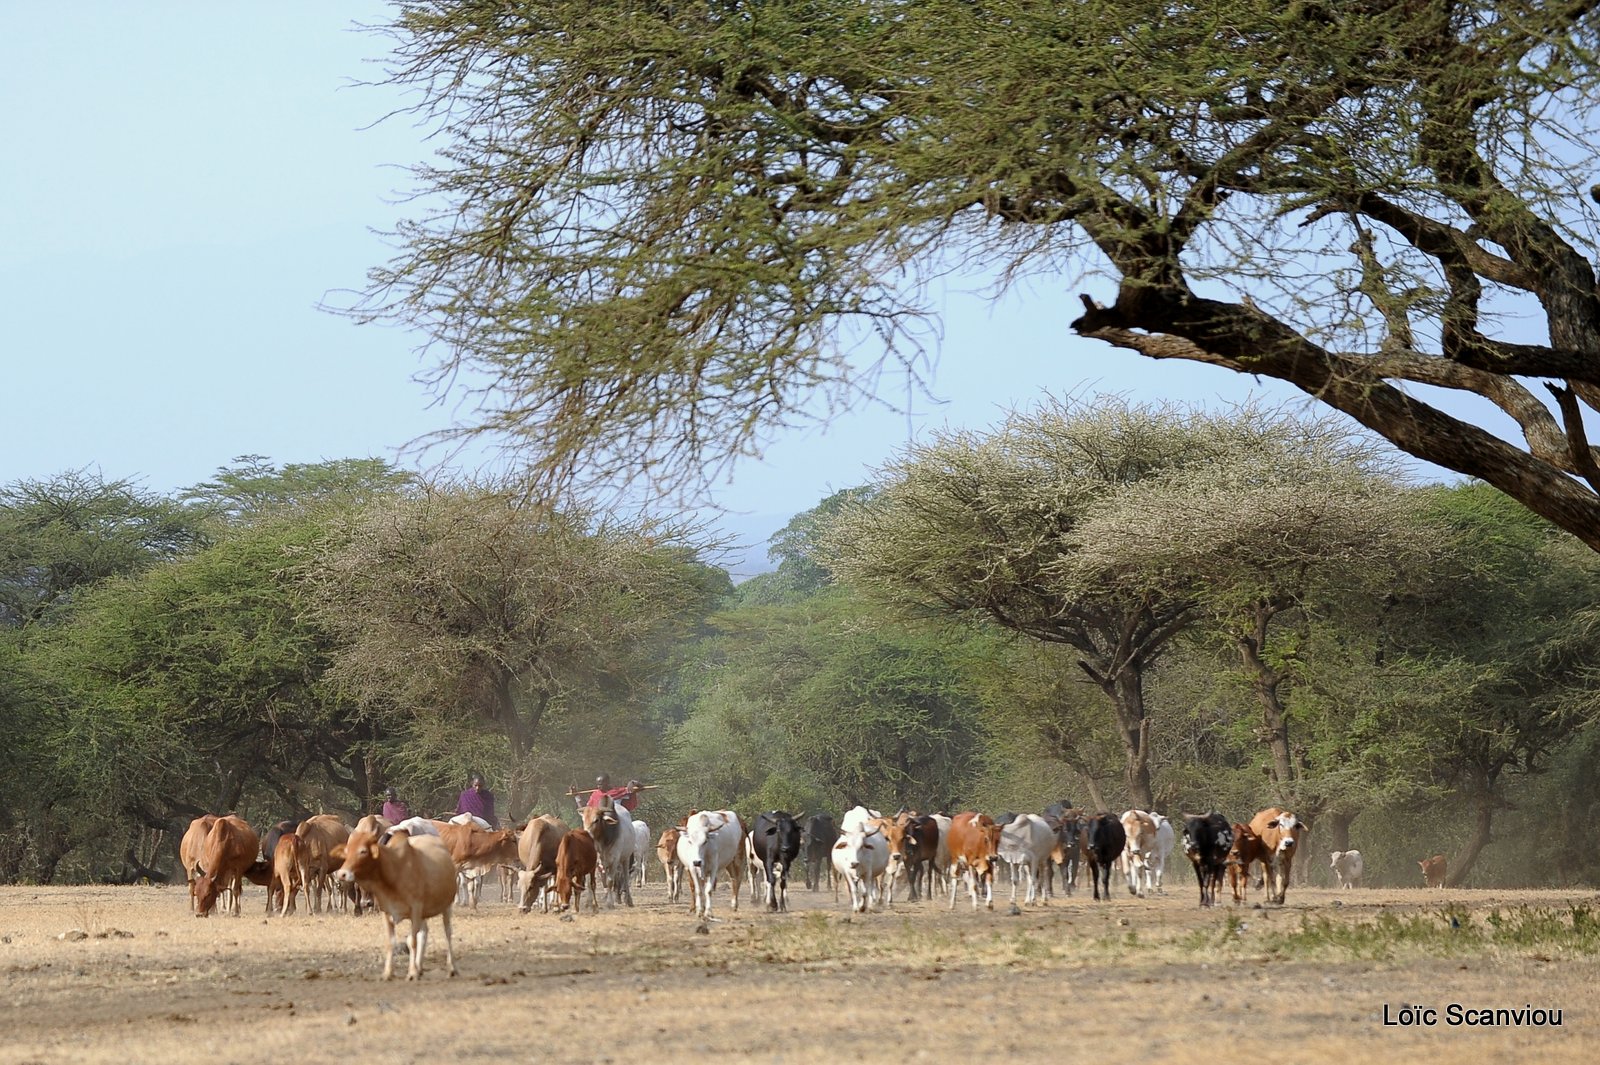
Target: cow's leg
389,939
449,946
419,945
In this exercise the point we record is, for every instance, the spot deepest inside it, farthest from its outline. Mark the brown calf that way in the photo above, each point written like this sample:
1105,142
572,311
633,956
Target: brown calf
576,859
1433,870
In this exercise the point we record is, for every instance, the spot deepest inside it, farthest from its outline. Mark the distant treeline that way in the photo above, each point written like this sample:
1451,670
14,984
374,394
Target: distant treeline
1110,604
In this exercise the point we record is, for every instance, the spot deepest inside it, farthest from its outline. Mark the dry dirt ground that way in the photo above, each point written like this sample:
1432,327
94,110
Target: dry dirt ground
1130,980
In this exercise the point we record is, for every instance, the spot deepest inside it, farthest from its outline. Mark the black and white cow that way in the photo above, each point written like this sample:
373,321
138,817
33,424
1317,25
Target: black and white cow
1206,840
817,843
775,844
1104,839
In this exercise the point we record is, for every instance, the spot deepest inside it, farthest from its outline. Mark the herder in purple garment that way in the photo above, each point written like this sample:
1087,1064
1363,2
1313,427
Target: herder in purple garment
394,810
478,801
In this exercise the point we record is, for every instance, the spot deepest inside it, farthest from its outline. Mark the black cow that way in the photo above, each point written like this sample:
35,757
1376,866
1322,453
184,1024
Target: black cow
1206,840
817,842
1105,840
775,841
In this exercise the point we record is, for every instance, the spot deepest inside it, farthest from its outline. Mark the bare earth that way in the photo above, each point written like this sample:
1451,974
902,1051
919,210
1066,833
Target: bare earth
1130,980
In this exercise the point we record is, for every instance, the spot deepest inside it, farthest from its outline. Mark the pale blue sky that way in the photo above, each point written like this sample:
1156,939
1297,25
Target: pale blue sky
184,182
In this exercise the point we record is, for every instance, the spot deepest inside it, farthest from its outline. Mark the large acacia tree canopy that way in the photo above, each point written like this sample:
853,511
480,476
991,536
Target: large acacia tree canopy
658,228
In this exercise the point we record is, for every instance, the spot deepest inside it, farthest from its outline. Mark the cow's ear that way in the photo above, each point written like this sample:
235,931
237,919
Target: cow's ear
337,854
772,830
1273,823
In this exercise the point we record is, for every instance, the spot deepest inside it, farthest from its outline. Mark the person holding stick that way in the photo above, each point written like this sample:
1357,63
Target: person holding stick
626,796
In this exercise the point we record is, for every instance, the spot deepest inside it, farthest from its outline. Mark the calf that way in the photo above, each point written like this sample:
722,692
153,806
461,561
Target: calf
1347,868
409,878
537,848
775,842
1246,850
818,840
576,859
287,863
1433,870
973,842
861,855
1280,833
230,848
710,843
667,853
1206,840
1105,839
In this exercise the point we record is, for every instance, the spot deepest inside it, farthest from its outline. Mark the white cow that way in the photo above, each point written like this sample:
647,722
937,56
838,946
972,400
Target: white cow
941,860
1165,838
1026,844
471,819
1140,829
612,828
712,842
414,827
858,817
1348,867
862,856
641,849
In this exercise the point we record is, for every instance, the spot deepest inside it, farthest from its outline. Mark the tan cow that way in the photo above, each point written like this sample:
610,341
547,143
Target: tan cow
537,849
1433,871
667,852
1137,851
230,848
576,862
194,839
1280,832
974,845
320,835
288,865
409,879
477,852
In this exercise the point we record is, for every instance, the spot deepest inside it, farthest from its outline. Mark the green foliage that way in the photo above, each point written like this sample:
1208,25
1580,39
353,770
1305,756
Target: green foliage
825,704
253,487
654,277
72,530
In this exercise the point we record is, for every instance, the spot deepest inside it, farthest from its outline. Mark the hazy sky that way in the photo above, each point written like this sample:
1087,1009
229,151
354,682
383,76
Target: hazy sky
184,182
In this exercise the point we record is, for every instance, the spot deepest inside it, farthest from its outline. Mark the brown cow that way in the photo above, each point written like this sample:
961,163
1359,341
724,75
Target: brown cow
1247,849
537,848
1280,833
475,852
320,836
1433,870
230,848
194,840
667,852
576,860
410,879
288,864
974,845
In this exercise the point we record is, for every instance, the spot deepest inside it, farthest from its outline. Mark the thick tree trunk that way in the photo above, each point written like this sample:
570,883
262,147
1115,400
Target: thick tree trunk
1266,683
1127,692
1481,838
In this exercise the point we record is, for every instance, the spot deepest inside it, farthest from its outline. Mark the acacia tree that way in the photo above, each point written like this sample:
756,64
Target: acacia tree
461,609
1293,524
659,227
1002,528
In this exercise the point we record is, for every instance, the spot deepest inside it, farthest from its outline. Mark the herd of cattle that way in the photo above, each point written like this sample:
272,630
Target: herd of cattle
421,868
